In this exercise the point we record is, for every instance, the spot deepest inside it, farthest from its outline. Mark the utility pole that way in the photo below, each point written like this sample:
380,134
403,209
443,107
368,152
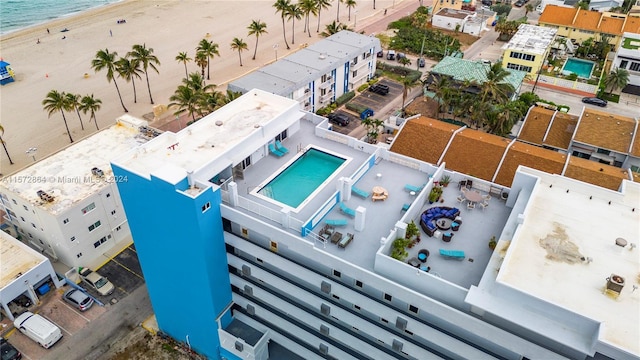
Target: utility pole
421,50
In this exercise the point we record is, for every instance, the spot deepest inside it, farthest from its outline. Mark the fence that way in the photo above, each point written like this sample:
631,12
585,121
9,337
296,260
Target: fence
568,84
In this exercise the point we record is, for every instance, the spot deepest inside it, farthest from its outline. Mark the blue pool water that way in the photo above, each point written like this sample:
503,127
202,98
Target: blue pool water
582,68
293,185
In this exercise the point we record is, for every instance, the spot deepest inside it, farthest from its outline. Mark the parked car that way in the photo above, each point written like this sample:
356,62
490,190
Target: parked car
380,53
78,299
487,2
38,329
379,89
338,118
421,62
8,352
400,56
594,101
519,3
96,281
391,55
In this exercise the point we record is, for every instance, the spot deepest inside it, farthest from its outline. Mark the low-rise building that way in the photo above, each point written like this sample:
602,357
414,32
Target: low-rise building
466,21
528,49
628,58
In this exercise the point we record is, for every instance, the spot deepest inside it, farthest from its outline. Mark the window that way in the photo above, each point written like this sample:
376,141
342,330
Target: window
96,244
355,73
100,242
413,309
384,320
527,57
118,228
73,238
519,67
635,169
603,151
94,226
356,307
623,64
359,283
65,221
335,296
355,60
634,66
581,155
387,297
88,208
206,206
337,273
113,212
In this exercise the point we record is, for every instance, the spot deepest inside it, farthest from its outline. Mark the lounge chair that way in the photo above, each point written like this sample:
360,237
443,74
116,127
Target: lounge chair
337,236
363,194
347,210
281,148
452,254
405,207
346,240
413,188
336,222
274,151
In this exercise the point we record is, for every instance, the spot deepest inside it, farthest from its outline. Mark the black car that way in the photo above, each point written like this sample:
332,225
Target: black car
487,2
380,53
421,62
8,351
379,89
340,119
594,101
519,3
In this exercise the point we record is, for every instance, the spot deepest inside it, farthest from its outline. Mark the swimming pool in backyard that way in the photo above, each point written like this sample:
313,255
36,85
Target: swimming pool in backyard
295,183
582,68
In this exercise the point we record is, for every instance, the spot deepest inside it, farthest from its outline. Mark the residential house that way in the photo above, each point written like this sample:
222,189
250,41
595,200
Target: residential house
628,57
466,21
528,49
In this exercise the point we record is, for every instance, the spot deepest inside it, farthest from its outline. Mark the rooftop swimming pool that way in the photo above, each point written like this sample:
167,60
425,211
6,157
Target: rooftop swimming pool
582,68
302,177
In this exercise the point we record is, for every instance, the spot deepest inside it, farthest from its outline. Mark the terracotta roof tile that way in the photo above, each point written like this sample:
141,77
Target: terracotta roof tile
535,125
423,139
635,147
610,25
557,15
562,128
476,153
595,173
632,25
605,130
587,20
531,156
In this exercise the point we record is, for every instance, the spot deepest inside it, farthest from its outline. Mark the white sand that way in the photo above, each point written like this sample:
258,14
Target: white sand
168,27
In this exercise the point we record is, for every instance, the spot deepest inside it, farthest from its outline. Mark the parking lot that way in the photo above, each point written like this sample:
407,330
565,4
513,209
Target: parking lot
123,271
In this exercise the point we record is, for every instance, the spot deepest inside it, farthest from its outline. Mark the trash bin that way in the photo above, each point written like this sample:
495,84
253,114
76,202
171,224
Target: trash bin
44,289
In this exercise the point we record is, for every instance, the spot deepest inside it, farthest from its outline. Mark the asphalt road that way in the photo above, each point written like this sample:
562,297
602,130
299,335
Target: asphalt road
95,339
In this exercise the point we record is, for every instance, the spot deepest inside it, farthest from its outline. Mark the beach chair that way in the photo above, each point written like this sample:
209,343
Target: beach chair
281,148
405,207
413,188
274,151
336,222
452,254
347,210
363,194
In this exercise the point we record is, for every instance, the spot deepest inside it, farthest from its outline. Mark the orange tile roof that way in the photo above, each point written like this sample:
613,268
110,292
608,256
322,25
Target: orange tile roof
595,173
531,156
561,130
605,130
632,25
587,20
476,153
535,125
635,147
611,25
557,15
423,139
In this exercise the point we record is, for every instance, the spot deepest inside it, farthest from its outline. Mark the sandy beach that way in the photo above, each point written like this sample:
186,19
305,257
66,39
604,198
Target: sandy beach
169,27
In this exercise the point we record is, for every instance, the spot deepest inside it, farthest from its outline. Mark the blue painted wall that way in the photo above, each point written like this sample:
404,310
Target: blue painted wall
182,254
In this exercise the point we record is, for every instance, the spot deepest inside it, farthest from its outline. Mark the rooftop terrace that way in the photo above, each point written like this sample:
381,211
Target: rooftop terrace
15,259
531,39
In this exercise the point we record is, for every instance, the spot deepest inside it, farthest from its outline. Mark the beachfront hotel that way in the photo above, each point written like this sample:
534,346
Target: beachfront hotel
67,205
317,75
231,217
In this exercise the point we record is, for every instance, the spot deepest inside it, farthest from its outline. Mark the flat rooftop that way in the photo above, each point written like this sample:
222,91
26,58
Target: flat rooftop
66,175
531,39
565,221
15,259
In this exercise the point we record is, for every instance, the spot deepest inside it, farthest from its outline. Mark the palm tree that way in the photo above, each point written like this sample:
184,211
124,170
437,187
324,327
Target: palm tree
209,49
404,61
440,89
106,60
239,45
350,4
506,116
407,84
333,28
294,13
129,69
257,28
4,145
202,61
143,55
57,102
495,88
73,101
184,58
373,129
617,78
282,7
308,7
90,104
527,9
186,99
338,10
321,4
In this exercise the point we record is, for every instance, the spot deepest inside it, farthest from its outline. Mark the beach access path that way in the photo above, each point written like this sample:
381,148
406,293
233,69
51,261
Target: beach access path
169,27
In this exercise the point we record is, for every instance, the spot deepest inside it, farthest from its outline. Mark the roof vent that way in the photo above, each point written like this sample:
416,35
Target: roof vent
322,56
219,123
621,242
44,196
97,172
615,283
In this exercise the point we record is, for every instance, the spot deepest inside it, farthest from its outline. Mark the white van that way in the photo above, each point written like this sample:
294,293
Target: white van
38,329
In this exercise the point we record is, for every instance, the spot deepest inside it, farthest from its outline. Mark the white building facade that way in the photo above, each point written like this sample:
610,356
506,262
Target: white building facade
628,57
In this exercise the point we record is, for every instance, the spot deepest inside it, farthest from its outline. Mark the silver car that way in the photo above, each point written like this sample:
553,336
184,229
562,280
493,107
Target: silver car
78,299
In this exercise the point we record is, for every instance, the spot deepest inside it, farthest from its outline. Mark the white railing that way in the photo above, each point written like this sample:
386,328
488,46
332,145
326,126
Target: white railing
568,84
295,224
260,210
403,160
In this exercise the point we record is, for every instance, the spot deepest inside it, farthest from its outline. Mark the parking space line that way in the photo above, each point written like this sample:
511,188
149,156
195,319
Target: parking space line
10,332
74,310
113,256
58,325
123,290
126,268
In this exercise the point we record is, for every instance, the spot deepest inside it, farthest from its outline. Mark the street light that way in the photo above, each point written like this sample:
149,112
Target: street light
32,152
355,19
275,47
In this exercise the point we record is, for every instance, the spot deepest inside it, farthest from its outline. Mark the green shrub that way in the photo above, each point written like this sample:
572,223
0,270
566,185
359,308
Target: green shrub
344,98
356,108
398,250
572,76
363,87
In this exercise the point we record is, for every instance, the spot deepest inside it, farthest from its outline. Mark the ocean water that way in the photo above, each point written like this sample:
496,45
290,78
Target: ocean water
19,14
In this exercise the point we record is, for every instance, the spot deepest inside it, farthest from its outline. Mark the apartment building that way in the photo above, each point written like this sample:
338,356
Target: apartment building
628,57
67,205
528,49
318,74
249,240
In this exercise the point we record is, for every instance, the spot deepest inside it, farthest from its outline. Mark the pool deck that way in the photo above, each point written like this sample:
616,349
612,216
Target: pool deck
576,60
381,216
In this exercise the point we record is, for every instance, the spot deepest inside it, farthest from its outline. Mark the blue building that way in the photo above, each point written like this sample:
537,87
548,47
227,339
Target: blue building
259,238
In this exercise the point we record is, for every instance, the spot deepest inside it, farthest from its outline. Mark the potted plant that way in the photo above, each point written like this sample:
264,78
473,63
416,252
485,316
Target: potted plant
445,180
412,230
434,195
492,243
398,251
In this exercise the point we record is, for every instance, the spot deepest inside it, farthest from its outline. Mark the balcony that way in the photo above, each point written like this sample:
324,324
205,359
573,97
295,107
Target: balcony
326,96
327,83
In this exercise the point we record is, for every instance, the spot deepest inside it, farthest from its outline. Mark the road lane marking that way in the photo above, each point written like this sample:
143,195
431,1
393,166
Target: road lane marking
74,310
